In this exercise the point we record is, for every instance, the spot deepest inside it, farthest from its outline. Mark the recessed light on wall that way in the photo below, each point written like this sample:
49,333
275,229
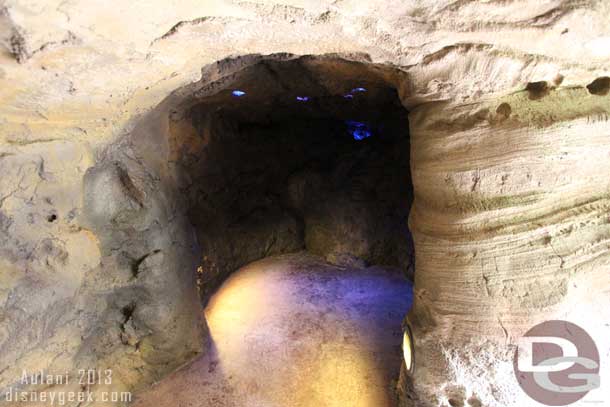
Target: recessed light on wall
358,130
408,349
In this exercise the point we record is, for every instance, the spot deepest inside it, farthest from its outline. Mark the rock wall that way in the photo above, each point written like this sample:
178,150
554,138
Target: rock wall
511,229
509,103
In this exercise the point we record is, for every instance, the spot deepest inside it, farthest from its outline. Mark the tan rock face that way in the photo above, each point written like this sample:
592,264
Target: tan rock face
509,107
508,224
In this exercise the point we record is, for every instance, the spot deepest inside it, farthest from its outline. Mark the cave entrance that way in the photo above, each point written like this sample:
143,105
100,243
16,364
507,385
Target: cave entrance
306,158
300,154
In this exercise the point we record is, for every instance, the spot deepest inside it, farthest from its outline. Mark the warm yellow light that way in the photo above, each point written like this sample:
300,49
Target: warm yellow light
255,321
407,350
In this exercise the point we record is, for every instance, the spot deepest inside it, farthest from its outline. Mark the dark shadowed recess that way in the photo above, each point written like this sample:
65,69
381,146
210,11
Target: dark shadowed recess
303,154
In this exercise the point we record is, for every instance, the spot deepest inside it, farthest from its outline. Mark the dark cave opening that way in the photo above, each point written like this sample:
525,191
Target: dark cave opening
303,157
307,154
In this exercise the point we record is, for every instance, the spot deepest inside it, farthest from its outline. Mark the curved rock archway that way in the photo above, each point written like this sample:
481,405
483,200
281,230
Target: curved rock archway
244,164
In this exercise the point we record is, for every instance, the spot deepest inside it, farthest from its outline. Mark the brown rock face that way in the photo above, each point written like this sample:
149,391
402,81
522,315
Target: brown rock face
103,219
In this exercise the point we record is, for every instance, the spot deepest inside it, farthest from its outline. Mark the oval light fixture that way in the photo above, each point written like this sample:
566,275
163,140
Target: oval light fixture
408,349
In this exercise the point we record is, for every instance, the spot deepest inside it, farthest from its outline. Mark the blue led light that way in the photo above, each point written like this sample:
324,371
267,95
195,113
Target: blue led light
358,130
349,96
302,98
361,134
238,93
356,90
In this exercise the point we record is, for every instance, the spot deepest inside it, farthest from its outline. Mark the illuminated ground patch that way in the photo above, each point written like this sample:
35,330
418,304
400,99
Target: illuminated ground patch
295,331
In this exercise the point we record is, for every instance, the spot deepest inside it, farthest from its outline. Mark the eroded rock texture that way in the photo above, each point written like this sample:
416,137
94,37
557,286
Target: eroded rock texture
509,149
509,226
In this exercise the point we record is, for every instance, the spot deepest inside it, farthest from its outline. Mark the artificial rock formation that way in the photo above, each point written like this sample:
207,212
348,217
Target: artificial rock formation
508,103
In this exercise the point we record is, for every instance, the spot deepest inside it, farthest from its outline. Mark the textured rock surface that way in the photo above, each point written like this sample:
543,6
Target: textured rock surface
509,227
510,212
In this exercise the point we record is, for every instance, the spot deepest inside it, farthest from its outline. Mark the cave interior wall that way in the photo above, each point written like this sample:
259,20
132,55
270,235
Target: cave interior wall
267,173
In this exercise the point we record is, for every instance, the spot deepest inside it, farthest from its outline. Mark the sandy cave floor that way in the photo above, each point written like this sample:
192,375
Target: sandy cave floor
294,331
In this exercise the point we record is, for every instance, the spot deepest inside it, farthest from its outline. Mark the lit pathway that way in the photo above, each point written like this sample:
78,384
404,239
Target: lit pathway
291,331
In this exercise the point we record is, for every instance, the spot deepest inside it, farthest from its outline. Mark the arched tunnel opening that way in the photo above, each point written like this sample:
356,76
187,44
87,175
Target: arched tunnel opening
309,157
274,195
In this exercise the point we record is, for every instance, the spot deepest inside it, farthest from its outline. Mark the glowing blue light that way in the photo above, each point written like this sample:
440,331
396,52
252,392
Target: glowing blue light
349,96
302,98
356,90
358,130
238,93
361,134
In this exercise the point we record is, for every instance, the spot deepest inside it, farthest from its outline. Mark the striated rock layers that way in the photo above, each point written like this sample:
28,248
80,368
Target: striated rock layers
510,138
511,229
